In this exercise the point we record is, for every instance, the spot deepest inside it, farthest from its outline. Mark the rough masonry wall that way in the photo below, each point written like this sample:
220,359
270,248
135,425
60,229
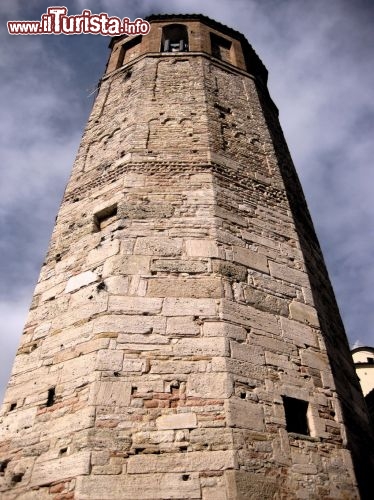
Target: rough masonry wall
173,311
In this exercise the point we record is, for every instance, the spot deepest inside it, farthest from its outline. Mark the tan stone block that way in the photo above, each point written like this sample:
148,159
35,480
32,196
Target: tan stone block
17,421
185,287
182,462
244,414
109,360
249,316
251,259
188,307
278,360
217,329
129,324
102,252
42,330
179,367
230,270
126,264
316,360
76,367
138,338
138,487
80,280
67,338
52,293
131,365
299,334
66,425
179,266
70,356
242,485
209,385
202,248
117,285
51,471
283,272
115,394
177,421
134,305
305,314
273,344
247,352
265,301
182,325
154,245
210,346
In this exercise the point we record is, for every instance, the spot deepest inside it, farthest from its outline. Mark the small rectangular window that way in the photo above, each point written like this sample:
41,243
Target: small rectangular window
371,361
296,415
221,48
129,50
105,217
51,396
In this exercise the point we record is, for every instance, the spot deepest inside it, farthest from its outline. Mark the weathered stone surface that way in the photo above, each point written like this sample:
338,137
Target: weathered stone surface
111,393
229,270
212,346
134,305
187,462
102,252
244,414
209,385
126,264
177,421
109,360
179,266
250,259
302,312
59,469
138,487
242,485
167,247
80,280
186,307
181,326
299,334
185,287
202,248
289,274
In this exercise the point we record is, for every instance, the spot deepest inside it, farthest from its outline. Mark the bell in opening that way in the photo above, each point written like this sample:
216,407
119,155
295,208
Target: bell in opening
175,38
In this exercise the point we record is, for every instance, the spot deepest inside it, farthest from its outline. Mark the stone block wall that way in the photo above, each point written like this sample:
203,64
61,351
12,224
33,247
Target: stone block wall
175,314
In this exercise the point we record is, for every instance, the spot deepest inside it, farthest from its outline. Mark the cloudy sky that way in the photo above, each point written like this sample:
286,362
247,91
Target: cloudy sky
319,54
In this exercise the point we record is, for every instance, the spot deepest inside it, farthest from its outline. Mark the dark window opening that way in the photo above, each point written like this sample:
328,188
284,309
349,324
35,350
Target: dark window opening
221,47
296,415
3,466
17,478
129,50
174,38
63,452
105,217
13,406
51,396
371,361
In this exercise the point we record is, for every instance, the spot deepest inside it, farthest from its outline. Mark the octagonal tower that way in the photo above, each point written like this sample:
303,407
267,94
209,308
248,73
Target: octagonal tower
183,340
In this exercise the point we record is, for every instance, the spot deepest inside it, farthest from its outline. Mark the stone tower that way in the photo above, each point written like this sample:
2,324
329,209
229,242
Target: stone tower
183,340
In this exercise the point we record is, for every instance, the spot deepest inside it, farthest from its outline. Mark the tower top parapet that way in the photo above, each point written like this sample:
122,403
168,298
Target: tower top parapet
192,33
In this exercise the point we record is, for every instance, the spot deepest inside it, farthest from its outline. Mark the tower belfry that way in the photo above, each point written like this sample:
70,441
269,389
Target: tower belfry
184,340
